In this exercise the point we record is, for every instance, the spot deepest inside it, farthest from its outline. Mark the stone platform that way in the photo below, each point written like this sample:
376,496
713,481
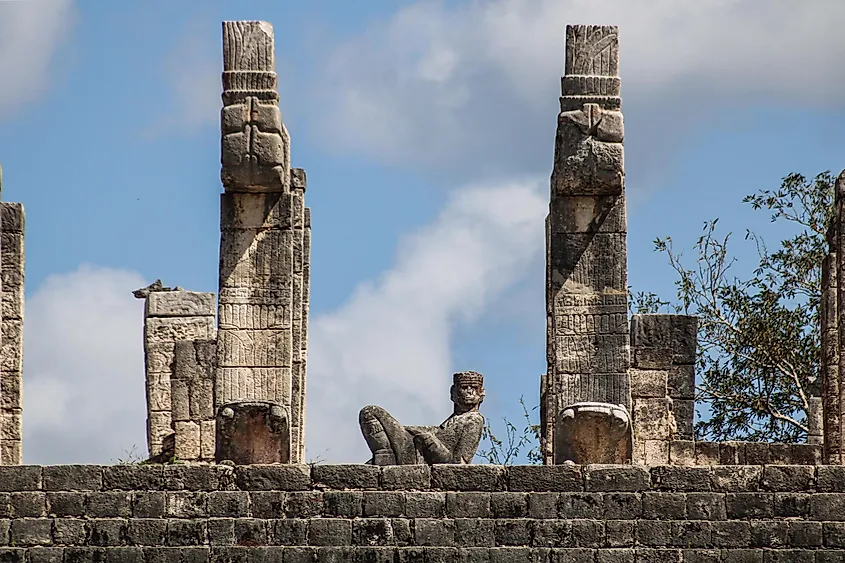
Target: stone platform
543,514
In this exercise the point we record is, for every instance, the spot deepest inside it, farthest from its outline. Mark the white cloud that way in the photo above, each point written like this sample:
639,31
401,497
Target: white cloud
84,395
473,87
30,34
390,343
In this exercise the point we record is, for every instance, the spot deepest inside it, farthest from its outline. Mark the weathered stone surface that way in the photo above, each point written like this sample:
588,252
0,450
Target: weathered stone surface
179,304
454,441
252,432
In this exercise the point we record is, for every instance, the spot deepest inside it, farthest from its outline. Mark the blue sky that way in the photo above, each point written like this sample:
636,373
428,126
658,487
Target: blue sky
426,130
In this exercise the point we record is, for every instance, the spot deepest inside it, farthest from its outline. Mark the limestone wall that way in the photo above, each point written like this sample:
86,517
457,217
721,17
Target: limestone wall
543,514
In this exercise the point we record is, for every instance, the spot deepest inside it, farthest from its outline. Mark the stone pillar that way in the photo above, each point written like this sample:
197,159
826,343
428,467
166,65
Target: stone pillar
192,398
586,410
12,261
260,380
171,319
662,373
832,316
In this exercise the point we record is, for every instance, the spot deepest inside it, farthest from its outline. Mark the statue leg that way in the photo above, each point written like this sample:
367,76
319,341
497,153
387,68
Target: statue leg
390,443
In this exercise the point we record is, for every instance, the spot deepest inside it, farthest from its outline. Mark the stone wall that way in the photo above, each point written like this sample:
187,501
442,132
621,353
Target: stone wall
544,514
12,261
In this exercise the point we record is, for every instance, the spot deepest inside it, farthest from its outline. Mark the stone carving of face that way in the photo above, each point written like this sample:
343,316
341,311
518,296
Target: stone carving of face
467,395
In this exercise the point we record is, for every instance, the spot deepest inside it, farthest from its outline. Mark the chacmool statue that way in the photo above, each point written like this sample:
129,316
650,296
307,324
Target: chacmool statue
454,441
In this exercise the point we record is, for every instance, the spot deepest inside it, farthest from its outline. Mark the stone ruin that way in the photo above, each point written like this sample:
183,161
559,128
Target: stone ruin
622,480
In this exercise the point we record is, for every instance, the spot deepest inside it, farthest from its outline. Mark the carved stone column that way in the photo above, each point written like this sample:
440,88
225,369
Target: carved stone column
586,393
260,381
12,260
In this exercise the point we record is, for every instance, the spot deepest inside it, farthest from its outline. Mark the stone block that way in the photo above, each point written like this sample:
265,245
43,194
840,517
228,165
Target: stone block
732,453
509,505
72,477
622,506
691,534
512,532
827,506
543,505
664,506
680,381
65,504
616,478
707,453
149,504
792,505
20,478
208,431
425,504
705,506
588,214
289,531
654,533
349,476
474,532
651,358
580,505
186,532
10,382
683,413
788,478
749,505
180,304
187,440
652,419
830,478
347,504
468,505
146,531
273,477
681,478
730,534
30,504
186,505
31,531
405,477
133,477
656,452
329,531
108,504
756,453
562,478
648,383
434,532
682,452
12,217
371,532
174,329
684,338
304,504
449,477
383,503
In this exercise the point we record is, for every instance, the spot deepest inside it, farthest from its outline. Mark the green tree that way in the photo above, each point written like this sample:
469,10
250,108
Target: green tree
758,357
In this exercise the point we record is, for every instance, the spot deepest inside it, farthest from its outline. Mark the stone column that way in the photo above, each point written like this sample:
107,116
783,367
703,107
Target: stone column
662,373
259,387
171,319
192,398
832,317
12,261
586,410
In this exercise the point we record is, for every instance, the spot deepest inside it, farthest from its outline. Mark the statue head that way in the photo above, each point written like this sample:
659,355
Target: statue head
467,390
